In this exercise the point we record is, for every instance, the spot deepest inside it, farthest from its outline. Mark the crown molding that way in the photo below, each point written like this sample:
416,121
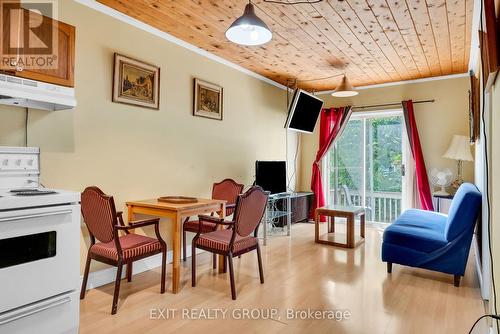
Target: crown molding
405,82
170,38
474,40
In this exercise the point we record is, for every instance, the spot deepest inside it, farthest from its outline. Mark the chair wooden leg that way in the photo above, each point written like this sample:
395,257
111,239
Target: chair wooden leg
163,270
129,272
261,271
456,280
389,267
214,261
224,267
184,246
193,264
114,307
231,275
85,277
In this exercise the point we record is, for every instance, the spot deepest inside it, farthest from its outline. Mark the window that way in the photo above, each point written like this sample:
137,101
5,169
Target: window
366,165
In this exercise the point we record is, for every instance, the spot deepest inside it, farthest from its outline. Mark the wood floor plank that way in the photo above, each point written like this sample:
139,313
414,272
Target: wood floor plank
299,275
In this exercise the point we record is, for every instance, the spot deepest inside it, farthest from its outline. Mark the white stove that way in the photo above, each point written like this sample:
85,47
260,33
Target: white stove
12,200
39,249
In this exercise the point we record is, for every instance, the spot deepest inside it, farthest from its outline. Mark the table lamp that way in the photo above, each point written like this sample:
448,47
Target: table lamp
459,150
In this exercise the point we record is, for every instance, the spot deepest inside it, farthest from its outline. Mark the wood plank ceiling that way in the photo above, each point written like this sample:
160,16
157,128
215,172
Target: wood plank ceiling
372,41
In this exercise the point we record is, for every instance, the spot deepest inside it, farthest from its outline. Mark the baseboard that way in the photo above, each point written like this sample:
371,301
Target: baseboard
477,262
108,275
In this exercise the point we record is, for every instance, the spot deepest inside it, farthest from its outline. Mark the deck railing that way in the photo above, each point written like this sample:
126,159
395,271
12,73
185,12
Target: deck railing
381,206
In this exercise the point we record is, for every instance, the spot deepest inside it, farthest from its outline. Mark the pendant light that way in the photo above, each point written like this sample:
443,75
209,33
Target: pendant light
249,29
345,89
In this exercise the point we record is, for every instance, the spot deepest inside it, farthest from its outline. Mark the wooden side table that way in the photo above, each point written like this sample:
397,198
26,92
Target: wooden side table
332,238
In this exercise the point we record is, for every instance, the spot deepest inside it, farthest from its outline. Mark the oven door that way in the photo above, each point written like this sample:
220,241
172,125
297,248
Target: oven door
56,315
39,254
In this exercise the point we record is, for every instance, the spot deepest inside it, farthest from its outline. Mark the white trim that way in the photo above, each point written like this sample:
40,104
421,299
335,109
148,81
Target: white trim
377,113
166,36
474,41
108,275
478,266
405,82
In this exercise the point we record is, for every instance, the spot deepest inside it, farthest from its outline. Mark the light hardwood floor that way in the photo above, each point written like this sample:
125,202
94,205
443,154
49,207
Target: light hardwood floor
299,275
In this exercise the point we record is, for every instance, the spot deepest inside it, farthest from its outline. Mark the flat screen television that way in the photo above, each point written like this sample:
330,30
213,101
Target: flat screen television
303,112
271,176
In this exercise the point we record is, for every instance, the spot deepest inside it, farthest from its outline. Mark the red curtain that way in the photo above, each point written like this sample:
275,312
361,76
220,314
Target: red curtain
332,122
424,191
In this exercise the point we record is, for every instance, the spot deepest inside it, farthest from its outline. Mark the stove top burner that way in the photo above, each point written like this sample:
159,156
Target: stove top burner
32,192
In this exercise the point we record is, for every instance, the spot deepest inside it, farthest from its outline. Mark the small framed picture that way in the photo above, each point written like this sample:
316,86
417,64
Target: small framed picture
136,82
208,100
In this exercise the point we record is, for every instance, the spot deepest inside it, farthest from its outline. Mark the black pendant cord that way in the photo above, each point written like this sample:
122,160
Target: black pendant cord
481,318
488,219
285,2
487,177
320,79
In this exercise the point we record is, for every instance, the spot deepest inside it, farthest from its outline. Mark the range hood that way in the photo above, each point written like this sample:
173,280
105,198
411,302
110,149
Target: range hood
27,93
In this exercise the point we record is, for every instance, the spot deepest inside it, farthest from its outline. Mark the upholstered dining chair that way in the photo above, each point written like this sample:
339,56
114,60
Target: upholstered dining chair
104,224
239,238
227,190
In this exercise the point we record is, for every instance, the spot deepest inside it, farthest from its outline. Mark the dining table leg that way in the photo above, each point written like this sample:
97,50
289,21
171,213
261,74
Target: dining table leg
222,262
176,261
130,217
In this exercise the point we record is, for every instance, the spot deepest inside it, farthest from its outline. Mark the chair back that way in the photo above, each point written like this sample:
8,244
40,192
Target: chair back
347,194
250,208
464,210
99,213
227,190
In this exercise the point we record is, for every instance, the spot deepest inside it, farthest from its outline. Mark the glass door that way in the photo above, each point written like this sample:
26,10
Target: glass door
366,165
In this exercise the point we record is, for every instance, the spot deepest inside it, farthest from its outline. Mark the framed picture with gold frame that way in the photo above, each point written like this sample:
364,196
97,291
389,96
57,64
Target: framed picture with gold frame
208,100
136,82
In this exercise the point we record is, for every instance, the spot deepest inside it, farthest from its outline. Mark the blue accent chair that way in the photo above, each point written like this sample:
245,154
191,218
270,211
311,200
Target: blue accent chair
432,240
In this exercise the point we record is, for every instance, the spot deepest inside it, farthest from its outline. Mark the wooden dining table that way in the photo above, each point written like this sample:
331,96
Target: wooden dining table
177,213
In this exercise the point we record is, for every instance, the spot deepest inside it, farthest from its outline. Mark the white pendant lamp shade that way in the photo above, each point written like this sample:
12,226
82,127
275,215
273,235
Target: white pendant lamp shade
459,149
249,29
345,89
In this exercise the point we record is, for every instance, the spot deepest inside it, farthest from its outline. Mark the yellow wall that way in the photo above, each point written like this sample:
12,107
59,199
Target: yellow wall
136,153
437,122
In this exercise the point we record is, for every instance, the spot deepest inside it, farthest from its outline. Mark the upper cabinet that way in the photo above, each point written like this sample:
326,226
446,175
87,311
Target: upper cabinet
64,73
42,39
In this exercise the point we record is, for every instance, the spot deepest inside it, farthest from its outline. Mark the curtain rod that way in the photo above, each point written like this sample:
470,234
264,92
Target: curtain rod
391,104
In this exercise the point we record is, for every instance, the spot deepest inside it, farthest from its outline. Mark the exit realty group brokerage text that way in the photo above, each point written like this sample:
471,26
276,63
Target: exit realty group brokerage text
248,314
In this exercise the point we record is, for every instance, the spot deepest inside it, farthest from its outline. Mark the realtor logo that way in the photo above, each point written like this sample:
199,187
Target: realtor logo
29,37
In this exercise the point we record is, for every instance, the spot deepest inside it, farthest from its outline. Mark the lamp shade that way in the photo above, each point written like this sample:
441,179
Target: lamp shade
249,29
459,149
345,89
